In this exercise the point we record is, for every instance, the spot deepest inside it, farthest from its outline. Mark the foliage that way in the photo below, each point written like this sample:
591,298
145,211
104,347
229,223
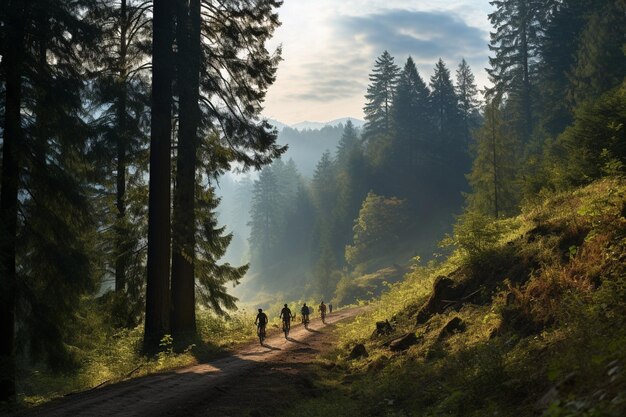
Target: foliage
475,234
593,144
379,225
489,367
109,355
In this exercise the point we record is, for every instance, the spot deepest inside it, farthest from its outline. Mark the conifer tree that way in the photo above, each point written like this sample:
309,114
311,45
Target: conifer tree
515,43
156,323
413,123
493,177
120,91
351,180
189,57
44,140
600,60
559,45
265,219
379,100
14,16
213,277
324,193
222,92
466,92
444,105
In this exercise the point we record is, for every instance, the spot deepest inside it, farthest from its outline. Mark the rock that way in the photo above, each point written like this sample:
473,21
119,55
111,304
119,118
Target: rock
404,342
358,351
445,293
382,328
455,325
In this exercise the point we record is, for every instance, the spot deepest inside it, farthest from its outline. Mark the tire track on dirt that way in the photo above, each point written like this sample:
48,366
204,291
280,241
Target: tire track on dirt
201,389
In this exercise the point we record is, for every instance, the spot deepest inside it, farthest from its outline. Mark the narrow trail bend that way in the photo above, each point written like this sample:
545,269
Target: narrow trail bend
251,378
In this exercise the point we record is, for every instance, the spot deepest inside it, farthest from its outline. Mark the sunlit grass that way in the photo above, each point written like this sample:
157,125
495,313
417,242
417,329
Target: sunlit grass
574,289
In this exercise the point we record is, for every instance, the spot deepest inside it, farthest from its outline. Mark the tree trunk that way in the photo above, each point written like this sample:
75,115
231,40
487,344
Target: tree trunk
526,99
13,57
183,319
494,157
122,140
158,264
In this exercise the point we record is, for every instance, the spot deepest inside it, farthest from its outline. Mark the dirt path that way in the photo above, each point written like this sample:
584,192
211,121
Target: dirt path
249,382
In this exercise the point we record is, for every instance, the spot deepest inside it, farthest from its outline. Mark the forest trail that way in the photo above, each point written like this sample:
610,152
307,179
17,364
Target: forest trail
249,381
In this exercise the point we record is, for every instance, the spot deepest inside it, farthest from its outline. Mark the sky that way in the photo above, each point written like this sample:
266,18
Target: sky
329,49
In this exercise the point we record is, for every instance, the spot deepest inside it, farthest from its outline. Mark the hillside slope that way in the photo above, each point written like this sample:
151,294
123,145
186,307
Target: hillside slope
526,317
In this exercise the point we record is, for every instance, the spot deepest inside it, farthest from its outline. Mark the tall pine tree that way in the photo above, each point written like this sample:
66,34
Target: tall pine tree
515,43
467,93
379,100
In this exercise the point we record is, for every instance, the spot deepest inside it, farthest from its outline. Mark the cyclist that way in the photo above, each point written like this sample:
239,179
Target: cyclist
305,314
286,315
322,310
261,323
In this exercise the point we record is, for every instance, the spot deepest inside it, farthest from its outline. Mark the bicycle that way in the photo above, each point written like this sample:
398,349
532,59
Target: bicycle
286,327
305,321
260,330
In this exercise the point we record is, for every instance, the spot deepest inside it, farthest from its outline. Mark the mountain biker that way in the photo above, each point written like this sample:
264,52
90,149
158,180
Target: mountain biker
261,321
305,313
322,310
286,315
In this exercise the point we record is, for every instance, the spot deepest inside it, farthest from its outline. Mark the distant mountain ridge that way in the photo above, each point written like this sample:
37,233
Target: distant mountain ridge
308,125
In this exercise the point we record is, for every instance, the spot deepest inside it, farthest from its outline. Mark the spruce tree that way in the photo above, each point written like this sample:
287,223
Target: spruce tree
324,194
379,100
45,139
493,176
120,92
413,123
213,277
351,181
600,60
515,43
467,92
264,219
223,92
158,261
559,45
444,106
14,16
188,58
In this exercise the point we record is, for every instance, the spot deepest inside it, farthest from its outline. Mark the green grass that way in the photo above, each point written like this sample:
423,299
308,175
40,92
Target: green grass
551,314
106,357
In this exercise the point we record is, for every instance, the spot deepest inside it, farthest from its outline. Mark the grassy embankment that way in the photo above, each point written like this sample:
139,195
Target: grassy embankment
104,355
542,303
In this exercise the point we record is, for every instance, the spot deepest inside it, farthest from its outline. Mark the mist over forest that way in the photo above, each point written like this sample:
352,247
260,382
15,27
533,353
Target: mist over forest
472,226
346,202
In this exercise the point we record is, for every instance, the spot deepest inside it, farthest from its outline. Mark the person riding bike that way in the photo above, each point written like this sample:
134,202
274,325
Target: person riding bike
322,310
261,323
286,315
305,314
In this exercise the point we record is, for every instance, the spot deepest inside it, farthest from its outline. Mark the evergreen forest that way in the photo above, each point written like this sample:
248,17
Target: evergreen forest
148,207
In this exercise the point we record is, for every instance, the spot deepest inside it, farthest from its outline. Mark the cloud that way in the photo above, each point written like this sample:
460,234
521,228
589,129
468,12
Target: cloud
425,35
328,58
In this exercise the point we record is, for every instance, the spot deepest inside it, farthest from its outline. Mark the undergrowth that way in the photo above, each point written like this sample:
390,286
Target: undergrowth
543,307
105,355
